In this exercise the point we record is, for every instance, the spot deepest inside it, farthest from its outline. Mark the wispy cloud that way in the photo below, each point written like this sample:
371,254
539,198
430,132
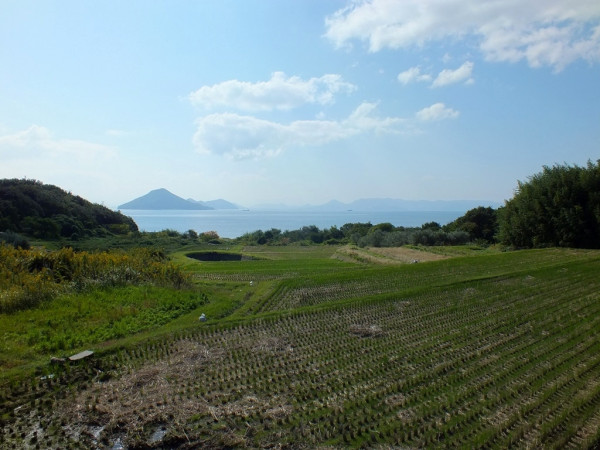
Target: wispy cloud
551,33
240,136
444,78
37,153
448,76
437,111
413,74
38,141
278,93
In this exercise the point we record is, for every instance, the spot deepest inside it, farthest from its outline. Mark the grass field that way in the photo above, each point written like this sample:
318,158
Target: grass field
315,346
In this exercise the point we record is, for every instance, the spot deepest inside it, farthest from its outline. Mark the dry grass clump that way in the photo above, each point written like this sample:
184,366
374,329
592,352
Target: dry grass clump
129,408
272,344
366,330
144,396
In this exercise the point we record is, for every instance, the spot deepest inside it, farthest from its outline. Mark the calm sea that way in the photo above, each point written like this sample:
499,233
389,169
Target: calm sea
235,223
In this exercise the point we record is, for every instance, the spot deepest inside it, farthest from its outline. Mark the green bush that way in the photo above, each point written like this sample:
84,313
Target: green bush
14,239
558,207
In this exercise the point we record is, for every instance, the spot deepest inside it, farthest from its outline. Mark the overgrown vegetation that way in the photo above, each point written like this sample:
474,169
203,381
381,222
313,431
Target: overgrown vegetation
14,239
29,278
72,321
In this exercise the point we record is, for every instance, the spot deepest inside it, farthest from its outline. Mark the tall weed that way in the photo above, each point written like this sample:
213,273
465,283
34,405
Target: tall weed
30,277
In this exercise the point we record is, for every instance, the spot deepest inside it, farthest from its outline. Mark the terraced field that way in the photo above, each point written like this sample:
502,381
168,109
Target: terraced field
491,351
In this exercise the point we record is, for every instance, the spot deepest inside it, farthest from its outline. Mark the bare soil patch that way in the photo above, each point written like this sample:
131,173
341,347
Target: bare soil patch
387,255
151,405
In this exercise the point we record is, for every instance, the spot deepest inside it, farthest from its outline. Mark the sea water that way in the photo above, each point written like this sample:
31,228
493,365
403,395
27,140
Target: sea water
235,223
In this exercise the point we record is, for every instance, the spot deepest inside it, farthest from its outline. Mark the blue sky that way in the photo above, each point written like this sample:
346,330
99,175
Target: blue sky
295,102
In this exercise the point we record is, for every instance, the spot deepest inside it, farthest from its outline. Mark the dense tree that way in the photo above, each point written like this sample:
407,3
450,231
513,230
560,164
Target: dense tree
434,226
386,227
558,207
481,223
36,209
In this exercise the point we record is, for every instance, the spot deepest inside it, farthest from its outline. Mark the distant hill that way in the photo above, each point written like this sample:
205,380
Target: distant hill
391,204
163,199
217,204
388,204
45,211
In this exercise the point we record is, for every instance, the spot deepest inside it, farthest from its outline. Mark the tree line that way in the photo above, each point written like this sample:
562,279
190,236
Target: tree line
558,207
365,234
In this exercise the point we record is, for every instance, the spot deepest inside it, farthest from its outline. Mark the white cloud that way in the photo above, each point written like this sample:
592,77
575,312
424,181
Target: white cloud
239,137
69,163
413,74
543,32
37,141
444,78
448,76
362,119
279,93
437,111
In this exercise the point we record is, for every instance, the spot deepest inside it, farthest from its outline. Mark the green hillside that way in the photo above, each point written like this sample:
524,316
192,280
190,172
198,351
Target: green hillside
39,210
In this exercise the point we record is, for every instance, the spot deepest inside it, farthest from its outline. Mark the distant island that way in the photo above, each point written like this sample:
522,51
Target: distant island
163,199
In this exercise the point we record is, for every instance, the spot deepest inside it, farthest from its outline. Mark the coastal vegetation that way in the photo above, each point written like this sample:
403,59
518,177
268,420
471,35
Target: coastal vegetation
47,212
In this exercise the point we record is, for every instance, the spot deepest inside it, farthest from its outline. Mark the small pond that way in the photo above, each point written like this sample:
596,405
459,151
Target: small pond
219,256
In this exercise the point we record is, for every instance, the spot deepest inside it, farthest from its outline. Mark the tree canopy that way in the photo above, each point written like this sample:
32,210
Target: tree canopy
558,207
45,211
481,223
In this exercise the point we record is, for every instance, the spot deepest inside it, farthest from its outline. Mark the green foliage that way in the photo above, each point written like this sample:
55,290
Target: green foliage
412,236
558,207
361,234
481,223
31,277
190,234
14,239
431,226
47,212
77,319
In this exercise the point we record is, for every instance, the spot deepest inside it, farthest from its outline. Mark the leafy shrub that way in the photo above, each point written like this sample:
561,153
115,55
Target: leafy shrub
14,239
481,223
558,207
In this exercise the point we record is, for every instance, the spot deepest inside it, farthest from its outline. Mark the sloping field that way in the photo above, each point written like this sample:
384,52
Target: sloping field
387,255
479,352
